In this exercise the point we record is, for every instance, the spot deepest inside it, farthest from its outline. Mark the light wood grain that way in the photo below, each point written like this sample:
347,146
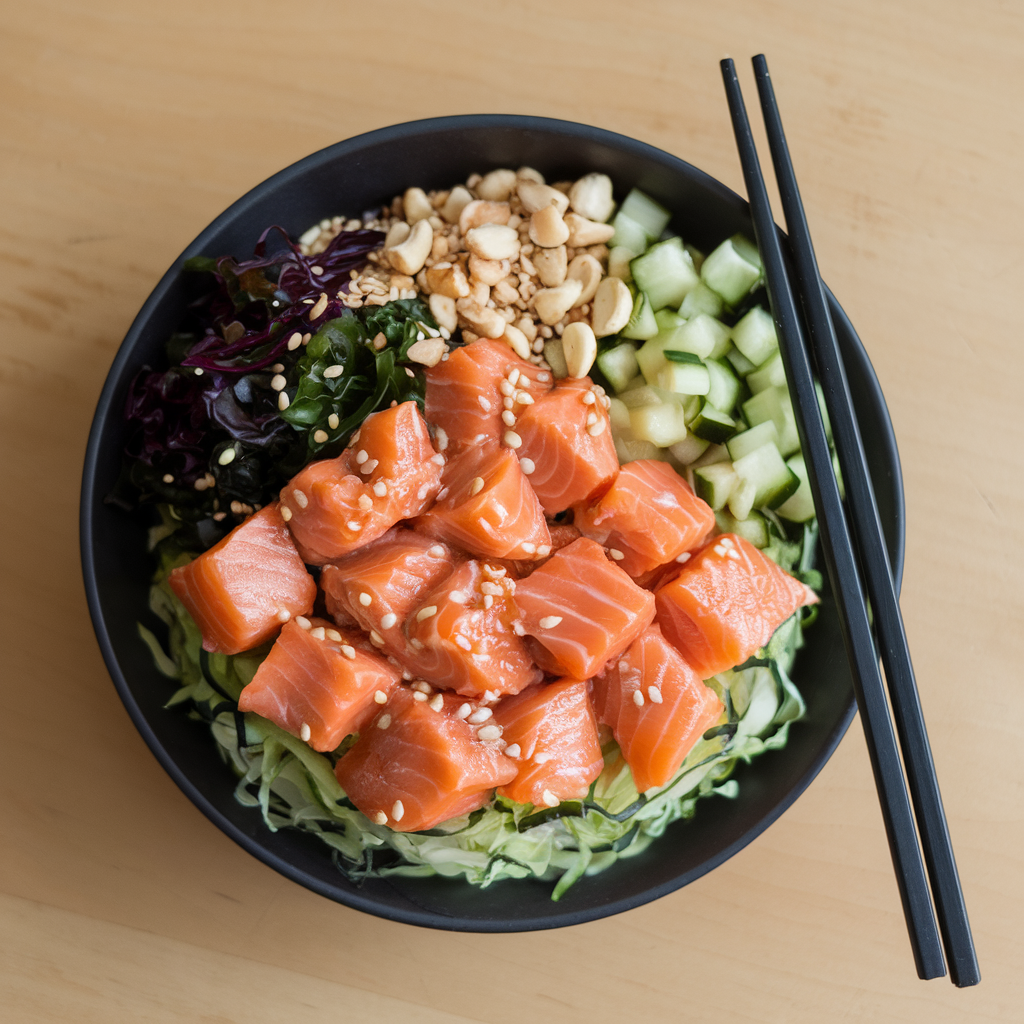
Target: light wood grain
126,127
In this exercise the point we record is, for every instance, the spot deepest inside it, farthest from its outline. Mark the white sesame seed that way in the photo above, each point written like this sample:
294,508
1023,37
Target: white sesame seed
517,628
654,693
436,551
684,557
300,498
457,597
437,460
436,702
513,376
591,419
376,639
388,620
596,429
380,489
489,732
638,698
527,466
549,621
286,513
726,542
735,555
398,810
529,547
461,641
523,398
477,485
544,550
719,550
319,633
227,456
606,402
421,494
365,502
507,403
495,572
426,613
417,645
421,697
304,733
294,341
199,371
384,721
488,600
512,439
508,419
278,382
380,818
463,712
589,398
283,401
333,634
513,750
368,467
348,651
320,436
406,674
524,381
442,439
491,588
168,478
423,686
543,377
550,799
506,389
616,554
484,404
480,715
542,759
353,526
365,599
302,622
361,456
333,421
283,615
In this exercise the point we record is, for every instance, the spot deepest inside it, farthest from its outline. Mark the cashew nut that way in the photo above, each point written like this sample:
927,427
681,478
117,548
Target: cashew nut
534,196
486,322
427,352
587,232
457,200
547,229
529,174
442,309
517,341
553,303
409,256
591,197
613,306
447,279
587,270
397,233
416,205
579,346
480,212
493,241
488,271
550,265
497,185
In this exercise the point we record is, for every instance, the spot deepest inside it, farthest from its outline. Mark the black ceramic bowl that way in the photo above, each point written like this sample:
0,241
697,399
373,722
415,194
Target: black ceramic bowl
348,178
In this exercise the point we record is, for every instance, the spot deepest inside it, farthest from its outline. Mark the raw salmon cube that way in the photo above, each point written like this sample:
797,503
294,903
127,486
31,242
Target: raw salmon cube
551,732
389,472
658,707
567,445
649,516
465,397
582,609
486,506
562,535
241,590
418,764
319,684
461,635
725,604
378,586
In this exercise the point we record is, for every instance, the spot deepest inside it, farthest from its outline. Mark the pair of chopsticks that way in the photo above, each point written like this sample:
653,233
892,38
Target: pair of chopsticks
855,549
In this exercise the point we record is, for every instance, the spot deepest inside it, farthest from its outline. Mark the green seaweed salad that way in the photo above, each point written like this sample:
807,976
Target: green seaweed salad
212,439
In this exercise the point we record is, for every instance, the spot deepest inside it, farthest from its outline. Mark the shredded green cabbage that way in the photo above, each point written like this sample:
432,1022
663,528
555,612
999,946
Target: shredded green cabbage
295,787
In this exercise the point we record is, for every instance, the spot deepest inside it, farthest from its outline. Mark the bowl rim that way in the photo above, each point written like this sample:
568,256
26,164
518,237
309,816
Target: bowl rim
355,899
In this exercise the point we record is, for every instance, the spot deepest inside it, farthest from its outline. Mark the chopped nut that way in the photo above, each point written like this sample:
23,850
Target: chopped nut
517,341
551,266
479,293
504,292
535,196
579,346
439,249
480,212
585,269
493,242
553,303
416,205
547,229
587,232
485,322
591,197
409,256
528,327
613,306
447,279
442,309
456,202
427,352
529,174
497,185
490,272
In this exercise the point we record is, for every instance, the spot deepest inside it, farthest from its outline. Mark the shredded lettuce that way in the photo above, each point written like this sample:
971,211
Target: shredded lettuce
295,787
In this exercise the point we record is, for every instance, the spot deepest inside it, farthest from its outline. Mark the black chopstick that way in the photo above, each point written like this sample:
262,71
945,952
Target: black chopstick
874,560
839,558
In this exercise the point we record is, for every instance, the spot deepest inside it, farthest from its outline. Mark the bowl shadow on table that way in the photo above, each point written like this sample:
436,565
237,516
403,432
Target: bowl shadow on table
348,178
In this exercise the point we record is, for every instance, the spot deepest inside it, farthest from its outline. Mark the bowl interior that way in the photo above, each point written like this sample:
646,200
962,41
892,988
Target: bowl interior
347,178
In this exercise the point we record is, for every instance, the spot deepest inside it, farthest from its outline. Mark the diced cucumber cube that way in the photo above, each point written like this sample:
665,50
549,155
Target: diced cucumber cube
713,454
689,449
628,234
740,363
748,440
746,248
775,404
556,357
696,255
741,500
701,300
619,259
771,374
684,373
650,215
663,424
773,480
618,414
727,272
629,450
619,364
799,507
725,387
714,484
712,424
642,324
754,335
668,320
634,397
666,273
753,529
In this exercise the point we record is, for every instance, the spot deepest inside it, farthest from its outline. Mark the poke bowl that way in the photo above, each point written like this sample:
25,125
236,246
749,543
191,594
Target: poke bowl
364,174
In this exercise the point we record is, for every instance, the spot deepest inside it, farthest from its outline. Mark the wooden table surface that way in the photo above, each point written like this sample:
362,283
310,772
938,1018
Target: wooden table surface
126,127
